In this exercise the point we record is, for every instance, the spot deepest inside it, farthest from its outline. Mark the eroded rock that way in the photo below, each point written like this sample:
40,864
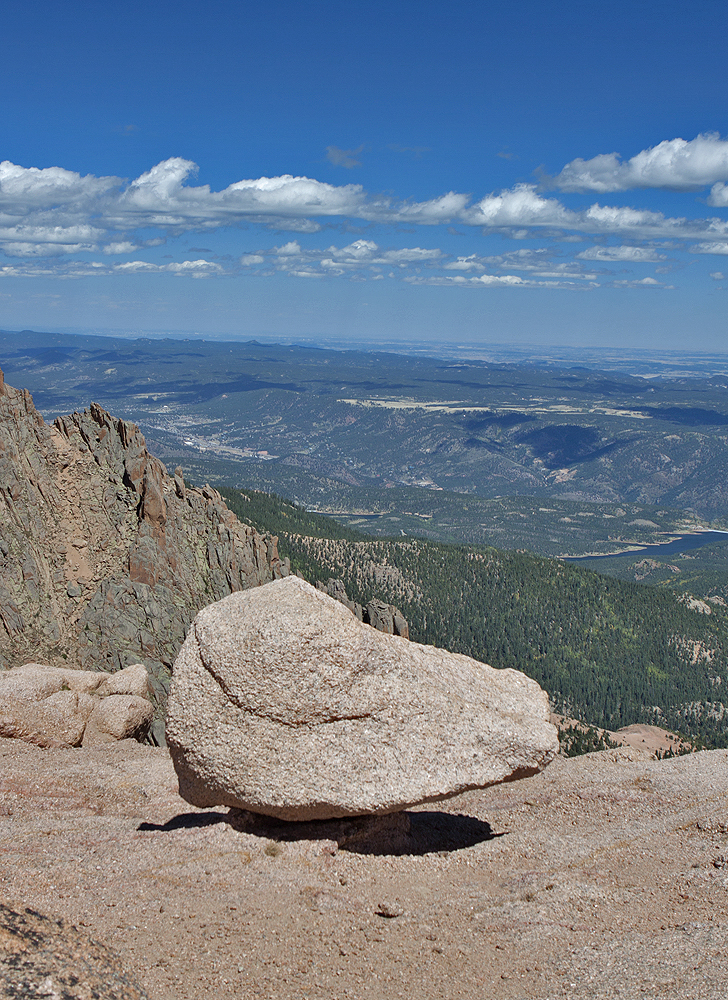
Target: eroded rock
283,703
58,707
103,555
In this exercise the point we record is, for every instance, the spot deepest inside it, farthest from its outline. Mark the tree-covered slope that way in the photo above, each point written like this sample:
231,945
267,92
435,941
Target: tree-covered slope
608,651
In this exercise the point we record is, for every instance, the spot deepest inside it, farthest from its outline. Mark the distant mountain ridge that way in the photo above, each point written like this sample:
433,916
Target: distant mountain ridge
104,557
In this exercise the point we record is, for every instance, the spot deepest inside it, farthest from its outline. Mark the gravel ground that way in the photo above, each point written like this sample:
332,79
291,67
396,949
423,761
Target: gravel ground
604,876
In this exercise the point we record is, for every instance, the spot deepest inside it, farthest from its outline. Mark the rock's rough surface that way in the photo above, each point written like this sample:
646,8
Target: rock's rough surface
41,957
58,707
283,703
104,557
118,717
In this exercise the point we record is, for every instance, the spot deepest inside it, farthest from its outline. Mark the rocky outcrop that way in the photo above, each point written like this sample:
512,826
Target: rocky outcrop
283,703
104,557
49,958
58,707
383,617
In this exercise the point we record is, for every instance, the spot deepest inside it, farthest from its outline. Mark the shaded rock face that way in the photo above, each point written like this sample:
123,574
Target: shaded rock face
283,703
104,557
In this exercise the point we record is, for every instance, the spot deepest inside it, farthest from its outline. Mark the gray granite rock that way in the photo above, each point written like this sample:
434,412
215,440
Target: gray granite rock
283,703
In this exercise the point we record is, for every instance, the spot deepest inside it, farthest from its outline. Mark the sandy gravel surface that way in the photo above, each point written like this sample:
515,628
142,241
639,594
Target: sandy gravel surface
605,876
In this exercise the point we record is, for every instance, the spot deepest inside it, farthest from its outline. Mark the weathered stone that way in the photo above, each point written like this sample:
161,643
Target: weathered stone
131,680
57,721
57,706
36,681
44,957
90,521
118,717
283,703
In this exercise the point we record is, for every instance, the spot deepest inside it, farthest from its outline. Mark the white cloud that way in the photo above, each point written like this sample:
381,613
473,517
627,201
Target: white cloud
718,248
193,268
719,196
289,249
50,249
639,283
52,212
521,206
674,164
634,255
49,187
470,263
717,275
122,247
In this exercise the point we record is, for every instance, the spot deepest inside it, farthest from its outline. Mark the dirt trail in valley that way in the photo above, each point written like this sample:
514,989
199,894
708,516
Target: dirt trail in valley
604,876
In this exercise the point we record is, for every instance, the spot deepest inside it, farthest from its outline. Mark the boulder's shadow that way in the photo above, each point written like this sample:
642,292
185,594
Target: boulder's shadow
185,821
413,833
397,833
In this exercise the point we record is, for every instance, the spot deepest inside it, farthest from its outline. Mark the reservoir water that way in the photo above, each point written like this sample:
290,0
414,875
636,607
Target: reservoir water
684,543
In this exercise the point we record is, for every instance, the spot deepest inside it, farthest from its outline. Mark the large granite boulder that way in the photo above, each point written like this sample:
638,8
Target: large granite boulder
283,703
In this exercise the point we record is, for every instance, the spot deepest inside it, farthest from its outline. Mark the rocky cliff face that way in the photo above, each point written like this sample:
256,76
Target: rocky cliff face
105,558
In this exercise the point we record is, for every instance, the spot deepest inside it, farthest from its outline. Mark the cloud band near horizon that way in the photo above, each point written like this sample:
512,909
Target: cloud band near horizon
52,212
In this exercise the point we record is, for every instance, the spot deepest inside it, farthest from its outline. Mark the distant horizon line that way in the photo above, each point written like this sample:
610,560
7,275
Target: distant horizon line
308,340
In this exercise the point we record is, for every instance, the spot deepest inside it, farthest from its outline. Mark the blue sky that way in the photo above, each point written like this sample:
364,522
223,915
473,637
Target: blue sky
527,172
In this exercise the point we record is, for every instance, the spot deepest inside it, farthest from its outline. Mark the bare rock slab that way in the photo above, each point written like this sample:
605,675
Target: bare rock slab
283,703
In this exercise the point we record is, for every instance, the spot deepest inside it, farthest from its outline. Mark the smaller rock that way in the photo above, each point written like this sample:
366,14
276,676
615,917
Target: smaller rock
57,721
73,590
381,616
55,706
179,483
130,680
118,717
35,681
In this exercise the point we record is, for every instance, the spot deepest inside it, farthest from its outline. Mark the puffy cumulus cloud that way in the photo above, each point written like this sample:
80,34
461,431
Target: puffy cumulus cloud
447,208
192,268
72,213
162,198
673,163
26,240
632,255
471,263
523,212
520,206
33,188
717,275
124,246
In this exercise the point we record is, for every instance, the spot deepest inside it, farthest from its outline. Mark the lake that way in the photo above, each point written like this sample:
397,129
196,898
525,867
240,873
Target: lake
683,543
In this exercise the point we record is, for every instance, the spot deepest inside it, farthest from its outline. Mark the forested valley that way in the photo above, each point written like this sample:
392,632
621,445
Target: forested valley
609,652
